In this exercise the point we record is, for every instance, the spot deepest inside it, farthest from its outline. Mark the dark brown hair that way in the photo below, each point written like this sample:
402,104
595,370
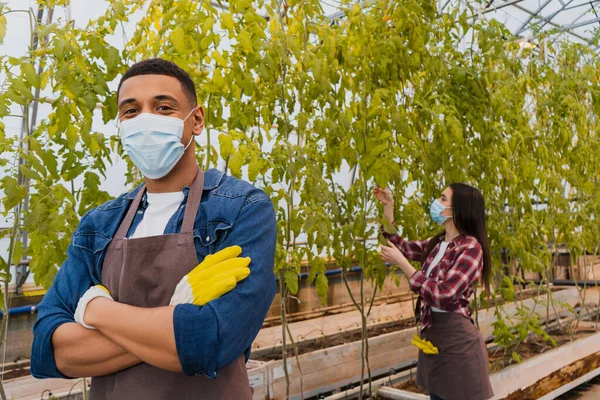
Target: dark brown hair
158,66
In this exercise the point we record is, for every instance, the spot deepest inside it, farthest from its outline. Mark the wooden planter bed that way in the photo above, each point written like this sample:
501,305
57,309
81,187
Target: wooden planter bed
269,339
329,368
538,376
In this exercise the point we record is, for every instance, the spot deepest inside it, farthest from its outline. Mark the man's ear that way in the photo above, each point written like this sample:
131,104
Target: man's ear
198,116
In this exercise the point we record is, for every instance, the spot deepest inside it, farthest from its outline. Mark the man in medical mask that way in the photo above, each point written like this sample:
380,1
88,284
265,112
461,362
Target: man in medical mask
165,287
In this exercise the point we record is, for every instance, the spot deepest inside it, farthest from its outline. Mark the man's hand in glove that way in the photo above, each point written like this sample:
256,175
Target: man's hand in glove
216,275
89,295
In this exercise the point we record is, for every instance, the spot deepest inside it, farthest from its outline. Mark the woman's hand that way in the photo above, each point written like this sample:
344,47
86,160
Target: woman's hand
383,195
392,255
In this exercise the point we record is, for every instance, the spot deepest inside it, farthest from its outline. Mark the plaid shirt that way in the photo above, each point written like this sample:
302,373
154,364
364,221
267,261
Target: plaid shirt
451,282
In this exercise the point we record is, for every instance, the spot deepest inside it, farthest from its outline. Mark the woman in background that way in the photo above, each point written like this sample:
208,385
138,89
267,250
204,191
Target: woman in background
453,361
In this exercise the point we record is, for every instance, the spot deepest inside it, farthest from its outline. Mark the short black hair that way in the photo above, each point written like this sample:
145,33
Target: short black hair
158,66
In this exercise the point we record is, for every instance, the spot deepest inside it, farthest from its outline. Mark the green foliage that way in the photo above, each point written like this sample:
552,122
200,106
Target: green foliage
507,289
295,101
2,27
516,357
74,64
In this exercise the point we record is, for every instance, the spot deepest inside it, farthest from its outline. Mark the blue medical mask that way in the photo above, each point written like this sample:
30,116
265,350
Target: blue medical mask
436,210
153,142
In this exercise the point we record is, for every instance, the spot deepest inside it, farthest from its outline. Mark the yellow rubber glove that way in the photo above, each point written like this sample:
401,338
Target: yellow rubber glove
424,345
216,275
429,347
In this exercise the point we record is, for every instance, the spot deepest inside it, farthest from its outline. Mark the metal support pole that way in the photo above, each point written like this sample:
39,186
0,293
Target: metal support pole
22,269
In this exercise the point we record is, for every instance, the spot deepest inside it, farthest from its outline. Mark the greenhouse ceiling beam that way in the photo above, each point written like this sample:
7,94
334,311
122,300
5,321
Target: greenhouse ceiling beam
488,9
567,8
491,8
589,3
579,24
574,25
335,15
566,29
488,5
531,17
586,40
554,14
583,14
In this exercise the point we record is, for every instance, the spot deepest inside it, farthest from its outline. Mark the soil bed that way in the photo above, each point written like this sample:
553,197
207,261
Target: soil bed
344,337
501,359
411,386
16,373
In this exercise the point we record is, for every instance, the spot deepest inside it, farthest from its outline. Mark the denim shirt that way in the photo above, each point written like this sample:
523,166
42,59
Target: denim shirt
208,338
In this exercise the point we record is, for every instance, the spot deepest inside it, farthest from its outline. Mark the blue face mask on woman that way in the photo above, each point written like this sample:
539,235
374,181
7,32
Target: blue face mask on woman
153,142
436,210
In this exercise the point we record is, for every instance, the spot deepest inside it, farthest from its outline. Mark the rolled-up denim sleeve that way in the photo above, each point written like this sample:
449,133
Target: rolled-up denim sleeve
211,337
57,308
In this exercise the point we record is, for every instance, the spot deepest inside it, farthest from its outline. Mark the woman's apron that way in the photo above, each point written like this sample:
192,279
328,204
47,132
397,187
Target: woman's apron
143,272
460,370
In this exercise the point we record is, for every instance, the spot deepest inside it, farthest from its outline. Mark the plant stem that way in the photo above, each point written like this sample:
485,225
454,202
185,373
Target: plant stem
283,292
349,291
583,306
372,300
295,347
363,334
362,295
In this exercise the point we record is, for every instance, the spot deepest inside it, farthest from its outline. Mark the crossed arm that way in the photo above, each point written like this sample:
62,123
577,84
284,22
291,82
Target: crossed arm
84,352
123,339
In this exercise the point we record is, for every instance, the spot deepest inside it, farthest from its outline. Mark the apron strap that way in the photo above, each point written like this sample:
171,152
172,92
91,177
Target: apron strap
193,202
124,227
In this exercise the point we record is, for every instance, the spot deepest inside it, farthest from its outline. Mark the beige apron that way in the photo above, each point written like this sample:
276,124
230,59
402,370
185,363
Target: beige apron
143,272
460,371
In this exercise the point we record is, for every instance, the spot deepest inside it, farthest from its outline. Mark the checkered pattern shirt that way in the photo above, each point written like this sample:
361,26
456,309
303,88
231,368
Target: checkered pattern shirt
451,282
